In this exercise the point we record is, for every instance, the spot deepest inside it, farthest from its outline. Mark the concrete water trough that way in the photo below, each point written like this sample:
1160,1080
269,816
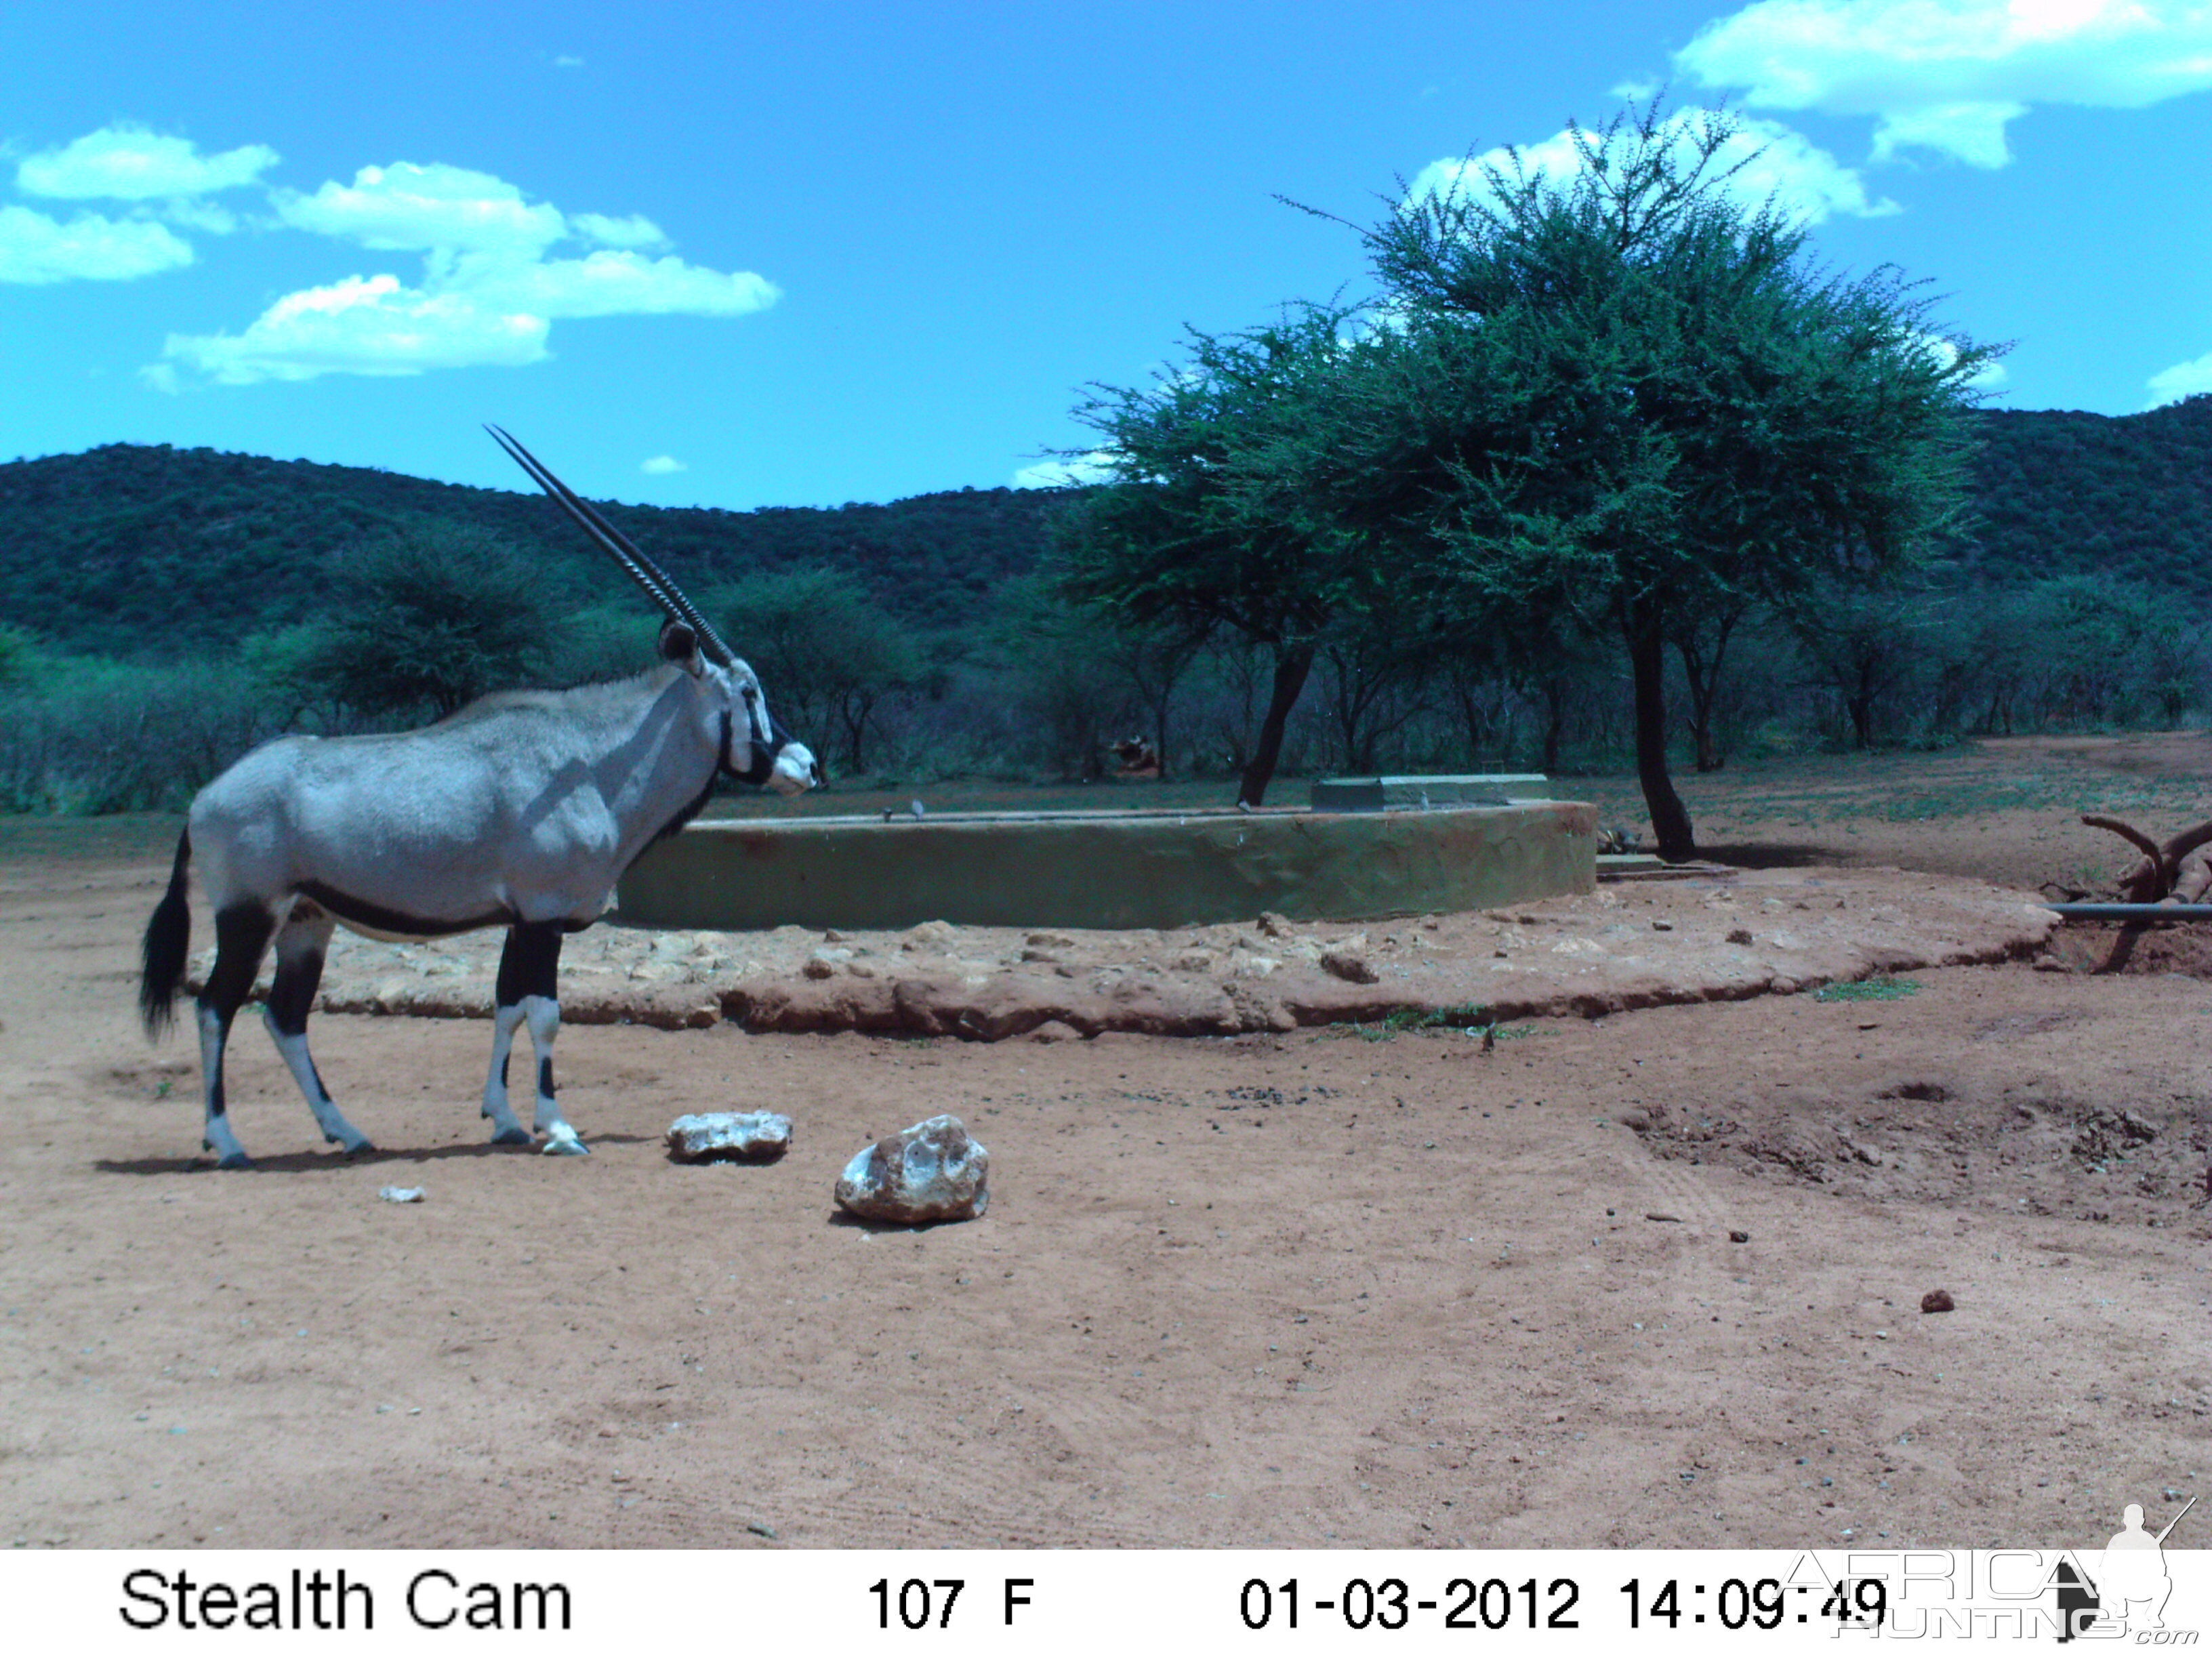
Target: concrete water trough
1157,868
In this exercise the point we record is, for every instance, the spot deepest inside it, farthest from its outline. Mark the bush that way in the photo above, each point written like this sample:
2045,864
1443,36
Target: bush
92,737
428,618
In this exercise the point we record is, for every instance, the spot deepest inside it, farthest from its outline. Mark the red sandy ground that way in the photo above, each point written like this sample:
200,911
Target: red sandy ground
1322,1287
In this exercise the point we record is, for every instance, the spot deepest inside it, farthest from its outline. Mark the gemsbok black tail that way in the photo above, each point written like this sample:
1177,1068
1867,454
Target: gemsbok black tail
169,940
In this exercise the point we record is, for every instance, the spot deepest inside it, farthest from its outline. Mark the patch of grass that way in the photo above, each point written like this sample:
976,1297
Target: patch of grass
1875,988
1468,1019
1466,1014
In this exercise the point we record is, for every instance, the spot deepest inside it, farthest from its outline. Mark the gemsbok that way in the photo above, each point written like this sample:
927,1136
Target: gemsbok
520,811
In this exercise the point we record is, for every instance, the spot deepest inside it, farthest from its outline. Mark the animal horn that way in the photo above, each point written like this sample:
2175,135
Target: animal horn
625,552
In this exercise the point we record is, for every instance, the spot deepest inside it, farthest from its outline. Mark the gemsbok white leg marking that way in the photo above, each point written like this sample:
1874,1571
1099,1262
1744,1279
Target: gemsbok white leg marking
543,1015
505,1130
301,944
216,1135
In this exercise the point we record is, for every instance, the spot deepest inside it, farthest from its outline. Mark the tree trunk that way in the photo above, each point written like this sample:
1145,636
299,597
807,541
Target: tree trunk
1860,706
1704,675
854,710
1555,720
1710,759
1292,664
1641,622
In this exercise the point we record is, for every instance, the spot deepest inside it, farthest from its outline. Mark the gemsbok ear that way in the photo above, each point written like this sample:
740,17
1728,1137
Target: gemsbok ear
680,646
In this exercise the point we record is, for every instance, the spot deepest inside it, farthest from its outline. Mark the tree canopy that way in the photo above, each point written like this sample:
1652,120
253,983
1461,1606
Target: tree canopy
1623,395
431,617
1203,526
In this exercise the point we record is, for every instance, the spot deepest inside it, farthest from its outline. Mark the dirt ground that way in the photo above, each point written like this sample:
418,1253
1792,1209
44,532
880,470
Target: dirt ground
1651,1278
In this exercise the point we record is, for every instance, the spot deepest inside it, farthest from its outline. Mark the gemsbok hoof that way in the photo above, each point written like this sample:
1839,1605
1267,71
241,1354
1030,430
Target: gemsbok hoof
565,1146
235,1161
515,1136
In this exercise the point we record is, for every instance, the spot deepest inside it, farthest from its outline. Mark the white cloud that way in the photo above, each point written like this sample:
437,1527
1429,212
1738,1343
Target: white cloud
1947,76
453,209
210,216
489,292
1990,376
363,326
1095,467
2170,386
663,464
566,62
1806,182
636,231
611,284
129,163
36,248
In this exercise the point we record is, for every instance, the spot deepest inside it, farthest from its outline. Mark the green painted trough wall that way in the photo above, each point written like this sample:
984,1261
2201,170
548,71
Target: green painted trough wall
1135,869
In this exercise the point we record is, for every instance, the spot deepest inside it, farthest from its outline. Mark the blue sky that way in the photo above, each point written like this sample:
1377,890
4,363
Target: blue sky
801,255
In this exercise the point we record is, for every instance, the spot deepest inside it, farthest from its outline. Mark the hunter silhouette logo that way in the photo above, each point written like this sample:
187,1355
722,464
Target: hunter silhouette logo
2131,1586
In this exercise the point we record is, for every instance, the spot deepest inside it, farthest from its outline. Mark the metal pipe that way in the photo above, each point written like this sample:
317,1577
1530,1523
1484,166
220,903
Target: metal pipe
2132,912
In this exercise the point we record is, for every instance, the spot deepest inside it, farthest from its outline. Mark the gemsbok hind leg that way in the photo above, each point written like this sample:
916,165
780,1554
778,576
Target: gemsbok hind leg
301,944
527,994
242,935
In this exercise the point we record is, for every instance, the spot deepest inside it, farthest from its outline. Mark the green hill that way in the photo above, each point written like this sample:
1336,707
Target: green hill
130,551
2130,497
127,549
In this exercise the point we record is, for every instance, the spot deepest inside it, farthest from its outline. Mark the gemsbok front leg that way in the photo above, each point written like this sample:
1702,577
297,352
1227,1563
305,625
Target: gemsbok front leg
527,994
242,935
302,943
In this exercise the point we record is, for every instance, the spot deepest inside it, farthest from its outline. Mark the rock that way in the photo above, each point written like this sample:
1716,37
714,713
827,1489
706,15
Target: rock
929,1172
1937,1302
1739,936
1274,926
736,1137
1738,1235
1349,965
400,1194
816,968
1661,925
2107,1132
931,932
1054,1031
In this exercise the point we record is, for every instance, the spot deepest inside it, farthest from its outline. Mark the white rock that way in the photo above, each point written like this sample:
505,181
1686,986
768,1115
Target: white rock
401,1194
929,1172
745,1137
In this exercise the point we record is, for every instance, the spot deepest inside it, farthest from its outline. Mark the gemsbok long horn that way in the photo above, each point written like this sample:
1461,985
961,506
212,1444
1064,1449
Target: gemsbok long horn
625,552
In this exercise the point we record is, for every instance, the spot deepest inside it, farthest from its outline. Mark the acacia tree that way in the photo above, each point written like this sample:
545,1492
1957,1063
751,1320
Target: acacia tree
434,615
1627,395
1200,527
828,654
